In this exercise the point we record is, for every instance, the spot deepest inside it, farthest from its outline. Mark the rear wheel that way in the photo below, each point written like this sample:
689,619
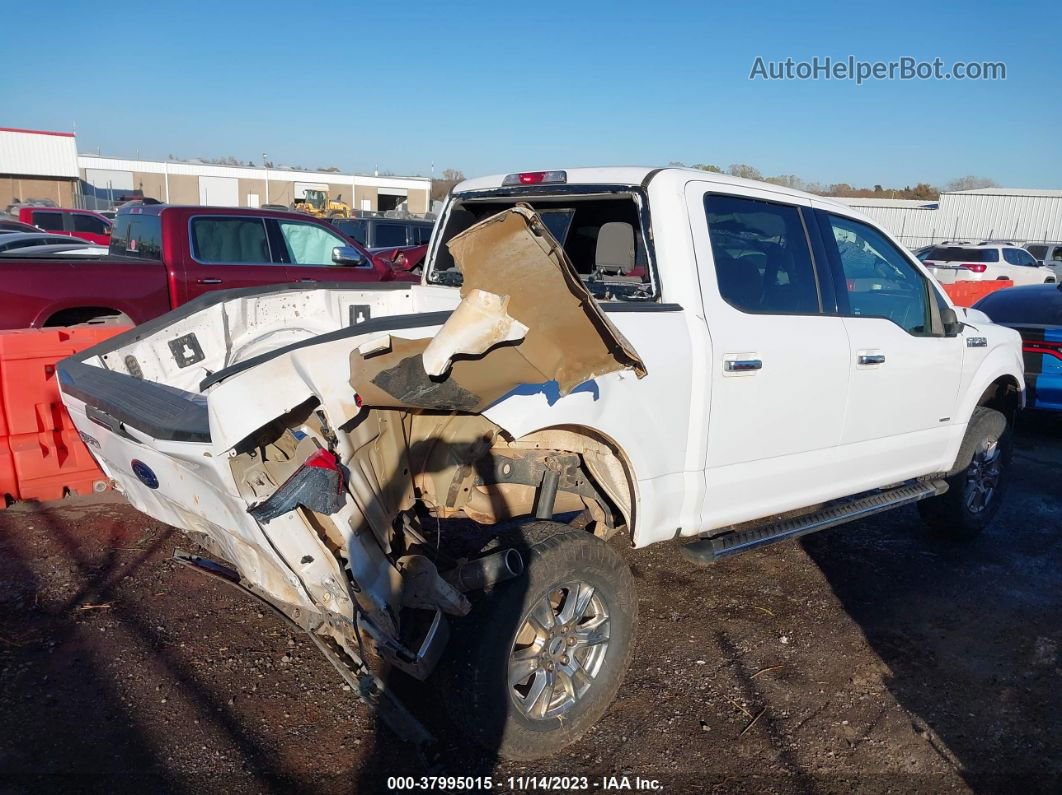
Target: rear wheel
540,658
975,492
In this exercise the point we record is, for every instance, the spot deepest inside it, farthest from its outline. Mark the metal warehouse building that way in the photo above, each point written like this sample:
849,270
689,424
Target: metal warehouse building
104,179
1021,215
37,165
45,166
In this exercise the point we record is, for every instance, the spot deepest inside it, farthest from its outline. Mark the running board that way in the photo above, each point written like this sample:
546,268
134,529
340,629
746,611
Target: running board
708,550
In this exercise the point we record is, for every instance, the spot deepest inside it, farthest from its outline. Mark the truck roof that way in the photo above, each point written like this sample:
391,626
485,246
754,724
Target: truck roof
637,175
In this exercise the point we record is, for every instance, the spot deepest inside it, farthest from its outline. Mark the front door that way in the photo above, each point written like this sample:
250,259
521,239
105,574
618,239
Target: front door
307,250
904,372
778,368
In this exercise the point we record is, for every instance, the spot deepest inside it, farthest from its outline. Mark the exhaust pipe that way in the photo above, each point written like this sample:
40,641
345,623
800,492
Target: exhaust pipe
487,571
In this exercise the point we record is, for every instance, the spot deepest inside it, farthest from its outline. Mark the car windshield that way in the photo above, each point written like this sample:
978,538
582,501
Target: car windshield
953,254
1040,306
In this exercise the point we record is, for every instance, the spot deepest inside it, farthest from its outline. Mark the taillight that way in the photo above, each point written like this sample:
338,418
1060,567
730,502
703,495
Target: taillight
970,266
535,177
317,485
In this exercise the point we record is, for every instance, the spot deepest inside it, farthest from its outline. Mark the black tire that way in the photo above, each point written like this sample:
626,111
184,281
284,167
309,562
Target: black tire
473,677
967,507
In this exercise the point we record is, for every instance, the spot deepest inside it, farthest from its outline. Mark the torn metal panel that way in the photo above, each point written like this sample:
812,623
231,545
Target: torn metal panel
478,324
515,272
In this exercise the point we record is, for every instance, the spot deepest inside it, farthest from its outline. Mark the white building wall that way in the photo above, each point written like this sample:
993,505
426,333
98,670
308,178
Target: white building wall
392,185
38,154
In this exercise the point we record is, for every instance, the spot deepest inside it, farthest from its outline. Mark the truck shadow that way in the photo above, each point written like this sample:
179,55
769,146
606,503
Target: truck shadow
969,631
69,722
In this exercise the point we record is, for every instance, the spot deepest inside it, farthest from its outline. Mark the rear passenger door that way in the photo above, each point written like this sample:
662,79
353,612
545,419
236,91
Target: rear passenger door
904,372
228,251
779,362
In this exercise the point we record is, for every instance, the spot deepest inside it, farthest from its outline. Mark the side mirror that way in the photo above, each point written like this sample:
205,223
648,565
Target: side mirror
952,324
348,255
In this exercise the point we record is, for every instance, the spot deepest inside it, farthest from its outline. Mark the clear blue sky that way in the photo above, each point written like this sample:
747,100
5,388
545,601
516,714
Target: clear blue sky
489,86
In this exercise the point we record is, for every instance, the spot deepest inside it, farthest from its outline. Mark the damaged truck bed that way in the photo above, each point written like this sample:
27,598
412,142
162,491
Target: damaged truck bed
309,458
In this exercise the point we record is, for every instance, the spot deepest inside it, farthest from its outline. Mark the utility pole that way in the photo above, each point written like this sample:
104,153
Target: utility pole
265,165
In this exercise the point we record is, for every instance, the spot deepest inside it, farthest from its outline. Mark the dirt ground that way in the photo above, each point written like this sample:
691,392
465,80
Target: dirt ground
870,657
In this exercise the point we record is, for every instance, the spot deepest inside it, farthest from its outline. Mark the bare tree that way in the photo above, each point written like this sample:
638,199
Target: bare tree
744,170
441,187
970,183
707,167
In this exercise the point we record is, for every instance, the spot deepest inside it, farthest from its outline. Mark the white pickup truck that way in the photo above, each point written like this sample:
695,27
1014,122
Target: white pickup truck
426,477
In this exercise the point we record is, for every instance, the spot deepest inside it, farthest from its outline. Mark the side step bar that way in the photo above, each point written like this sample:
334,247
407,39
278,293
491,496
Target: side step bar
709,550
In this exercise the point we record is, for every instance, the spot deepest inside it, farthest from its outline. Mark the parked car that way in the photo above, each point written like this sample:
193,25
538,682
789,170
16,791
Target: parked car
1050,254
110,215
162,256
11,225
73,249
384,233
1035,313
661,353
986,262
19,240
83,224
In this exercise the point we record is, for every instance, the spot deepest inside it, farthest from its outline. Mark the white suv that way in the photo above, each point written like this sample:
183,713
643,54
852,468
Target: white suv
1050,254
986,262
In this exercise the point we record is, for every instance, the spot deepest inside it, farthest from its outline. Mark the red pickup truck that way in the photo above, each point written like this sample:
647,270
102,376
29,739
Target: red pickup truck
162,256
83,224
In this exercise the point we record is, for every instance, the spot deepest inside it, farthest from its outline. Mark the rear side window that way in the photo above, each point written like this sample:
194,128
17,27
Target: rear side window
421,235
137,236
762,260
353,228
91,224
880,281
1019,256
53,222
230,241
1040,306
389,235
955,254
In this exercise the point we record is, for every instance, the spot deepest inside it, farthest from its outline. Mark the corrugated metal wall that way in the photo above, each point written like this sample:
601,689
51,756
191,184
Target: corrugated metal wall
38,154
992,214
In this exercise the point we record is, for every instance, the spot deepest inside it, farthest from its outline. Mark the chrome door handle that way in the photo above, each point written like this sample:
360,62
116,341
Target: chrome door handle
208,281
306,281
742,365
872,358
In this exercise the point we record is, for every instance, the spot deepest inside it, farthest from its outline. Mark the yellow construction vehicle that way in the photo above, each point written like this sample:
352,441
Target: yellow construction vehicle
318,204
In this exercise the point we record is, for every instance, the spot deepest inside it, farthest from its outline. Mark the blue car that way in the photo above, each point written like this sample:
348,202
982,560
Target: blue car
1036,313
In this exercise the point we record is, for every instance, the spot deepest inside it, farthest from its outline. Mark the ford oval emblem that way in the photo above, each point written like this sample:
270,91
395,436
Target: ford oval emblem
144,474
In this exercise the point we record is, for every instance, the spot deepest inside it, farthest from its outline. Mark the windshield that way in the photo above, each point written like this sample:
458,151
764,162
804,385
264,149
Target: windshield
602,234
954,254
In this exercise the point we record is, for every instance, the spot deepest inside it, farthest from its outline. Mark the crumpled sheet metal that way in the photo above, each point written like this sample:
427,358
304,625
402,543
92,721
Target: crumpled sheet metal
568,340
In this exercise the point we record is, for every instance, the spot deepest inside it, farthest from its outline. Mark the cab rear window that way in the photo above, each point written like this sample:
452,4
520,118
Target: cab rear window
137,236
955,254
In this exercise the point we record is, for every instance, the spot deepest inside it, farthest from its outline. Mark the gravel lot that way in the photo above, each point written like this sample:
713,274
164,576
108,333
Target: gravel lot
870,656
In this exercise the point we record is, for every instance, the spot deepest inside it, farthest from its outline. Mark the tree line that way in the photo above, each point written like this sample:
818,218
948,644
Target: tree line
923,190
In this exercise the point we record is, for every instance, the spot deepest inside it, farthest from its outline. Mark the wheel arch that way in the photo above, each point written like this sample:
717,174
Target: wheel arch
603,456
